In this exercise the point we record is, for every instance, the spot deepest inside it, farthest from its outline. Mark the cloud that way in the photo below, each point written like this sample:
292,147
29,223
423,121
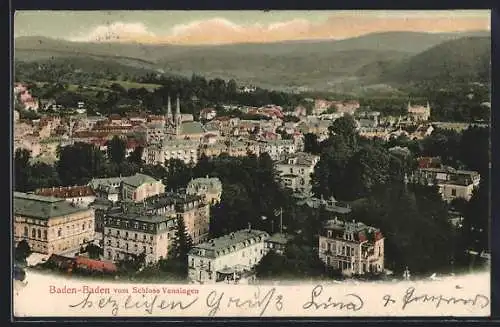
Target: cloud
223,31
114,32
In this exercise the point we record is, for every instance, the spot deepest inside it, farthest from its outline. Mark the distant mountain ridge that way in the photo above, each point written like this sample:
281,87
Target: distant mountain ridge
464,59
335,65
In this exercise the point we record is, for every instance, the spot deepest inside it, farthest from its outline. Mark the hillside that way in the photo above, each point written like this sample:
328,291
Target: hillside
324,65
461,60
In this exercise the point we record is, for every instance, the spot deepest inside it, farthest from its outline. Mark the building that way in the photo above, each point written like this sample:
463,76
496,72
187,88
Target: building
352,247
155,133
228,258
419,113
451,183
277,243
209,187
182,126
278,148
182,149
134,188
101,207
128,234
51,225
192,208
295,171
139,187
79,195
208,113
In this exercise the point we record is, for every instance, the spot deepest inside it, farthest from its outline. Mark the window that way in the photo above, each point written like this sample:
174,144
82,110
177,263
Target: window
150,250
192,263
39,234
26,231
45,234
83,226
453,192
33,233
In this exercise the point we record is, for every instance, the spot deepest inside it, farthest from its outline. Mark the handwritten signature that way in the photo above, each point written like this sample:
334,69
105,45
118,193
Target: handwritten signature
259,300
411,297
353,301
146,303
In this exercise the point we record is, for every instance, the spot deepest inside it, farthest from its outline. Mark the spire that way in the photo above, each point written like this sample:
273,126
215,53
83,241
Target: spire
409,104
178,109
428,106
169,110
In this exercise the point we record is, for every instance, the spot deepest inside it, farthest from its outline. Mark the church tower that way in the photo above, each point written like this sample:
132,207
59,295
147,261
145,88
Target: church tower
178,118
169,118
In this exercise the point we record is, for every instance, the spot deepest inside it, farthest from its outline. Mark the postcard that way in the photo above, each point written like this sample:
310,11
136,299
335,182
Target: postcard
251,163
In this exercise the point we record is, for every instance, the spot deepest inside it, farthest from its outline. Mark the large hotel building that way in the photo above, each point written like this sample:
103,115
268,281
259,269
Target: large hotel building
51,225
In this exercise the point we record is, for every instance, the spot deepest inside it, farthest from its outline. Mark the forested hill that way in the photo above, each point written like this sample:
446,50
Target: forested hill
342,66
466,59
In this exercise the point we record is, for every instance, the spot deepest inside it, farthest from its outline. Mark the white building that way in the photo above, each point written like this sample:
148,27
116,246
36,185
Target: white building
182,149
278,148
451,183
229,258
209,187
128,234
295,171
351,247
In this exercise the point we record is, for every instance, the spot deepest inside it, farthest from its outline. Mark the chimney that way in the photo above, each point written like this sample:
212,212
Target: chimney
249,227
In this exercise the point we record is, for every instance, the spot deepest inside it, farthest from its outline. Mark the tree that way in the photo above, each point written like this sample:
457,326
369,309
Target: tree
94,251
178,174
345,127
22,170
136,156
80,162
178,253
22,251
117,148
311,143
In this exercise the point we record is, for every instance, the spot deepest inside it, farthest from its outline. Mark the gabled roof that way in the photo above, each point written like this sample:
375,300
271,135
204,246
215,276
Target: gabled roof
138,179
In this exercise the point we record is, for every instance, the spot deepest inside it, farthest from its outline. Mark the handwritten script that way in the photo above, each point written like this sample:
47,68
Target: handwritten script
318,300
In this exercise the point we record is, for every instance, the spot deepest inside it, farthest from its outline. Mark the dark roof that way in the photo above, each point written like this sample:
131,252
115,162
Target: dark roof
66,192
42,207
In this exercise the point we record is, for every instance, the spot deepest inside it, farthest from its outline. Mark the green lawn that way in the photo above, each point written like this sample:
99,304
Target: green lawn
134,85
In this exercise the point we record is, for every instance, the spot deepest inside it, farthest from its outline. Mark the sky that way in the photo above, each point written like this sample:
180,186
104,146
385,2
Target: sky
224,27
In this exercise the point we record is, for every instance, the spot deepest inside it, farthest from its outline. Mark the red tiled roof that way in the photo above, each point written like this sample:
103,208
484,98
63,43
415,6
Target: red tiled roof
96,265
66,192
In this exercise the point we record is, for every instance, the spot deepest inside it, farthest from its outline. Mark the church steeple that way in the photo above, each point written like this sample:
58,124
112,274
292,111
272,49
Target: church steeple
178,108
178,118
169,111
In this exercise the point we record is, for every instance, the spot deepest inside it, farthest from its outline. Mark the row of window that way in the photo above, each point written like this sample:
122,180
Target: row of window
127,246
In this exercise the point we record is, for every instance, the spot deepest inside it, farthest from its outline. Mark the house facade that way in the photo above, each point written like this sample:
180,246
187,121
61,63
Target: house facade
351,247
51,225
228,258
295,171
129,234
210,188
